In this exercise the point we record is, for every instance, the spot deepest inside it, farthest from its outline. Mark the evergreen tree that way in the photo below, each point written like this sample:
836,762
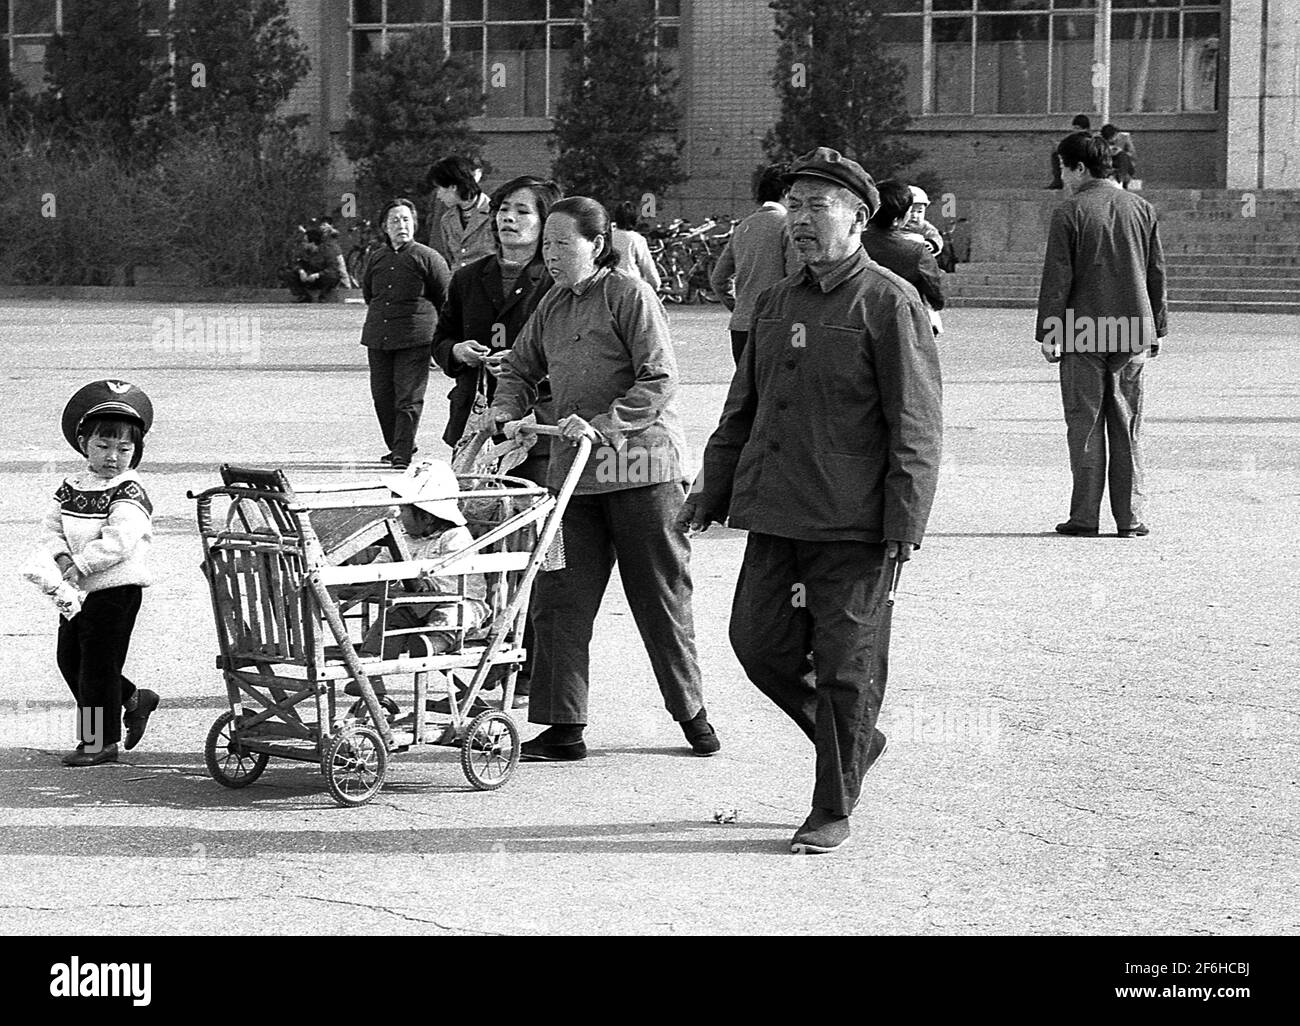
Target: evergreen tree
98,71
410,106
616,126
837,84
235,64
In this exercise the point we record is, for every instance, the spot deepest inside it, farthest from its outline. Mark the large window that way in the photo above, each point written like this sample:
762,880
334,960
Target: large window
521,46
1049,56
28,25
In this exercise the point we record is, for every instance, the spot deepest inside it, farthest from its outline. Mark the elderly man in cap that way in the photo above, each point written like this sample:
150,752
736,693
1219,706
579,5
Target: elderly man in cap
828,454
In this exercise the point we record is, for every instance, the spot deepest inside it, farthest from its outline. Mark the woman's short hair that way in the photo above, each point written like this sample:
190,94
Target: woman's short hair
766,185
592,222
1089,150
625,216
455,173
546,193
895,202
400,201
108,426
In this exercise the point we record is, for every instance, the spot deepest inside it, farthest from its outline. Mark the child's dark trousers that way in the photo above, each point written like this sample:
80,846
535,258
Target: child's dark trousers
92,652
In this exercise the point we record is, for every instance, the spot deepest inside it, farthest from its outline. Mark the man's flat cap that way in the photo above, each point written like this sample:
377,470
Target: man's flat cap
832,166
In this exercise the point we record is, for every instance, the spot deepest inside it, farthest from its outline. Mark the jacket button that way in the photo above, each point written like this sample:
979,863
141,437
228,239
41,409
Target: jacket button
790,364
782,405
775,446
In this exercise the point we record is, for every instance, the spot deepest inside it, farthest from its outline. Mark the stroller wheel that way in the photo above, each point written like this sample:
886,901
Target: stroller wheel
229,763
355,762
490,750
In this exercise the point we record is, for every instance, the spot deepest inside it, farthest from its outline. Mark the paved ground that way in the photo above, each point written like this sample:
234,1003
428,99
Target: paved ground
1089,736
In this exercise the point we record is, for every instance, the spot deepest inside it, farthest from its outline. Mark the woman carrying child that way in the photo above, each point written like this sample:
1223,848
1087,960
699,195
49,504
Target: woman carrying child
98,530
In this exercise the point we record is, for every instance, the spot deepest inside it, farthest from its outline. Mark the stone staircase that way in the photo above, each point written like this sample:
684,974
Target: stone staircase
1226,251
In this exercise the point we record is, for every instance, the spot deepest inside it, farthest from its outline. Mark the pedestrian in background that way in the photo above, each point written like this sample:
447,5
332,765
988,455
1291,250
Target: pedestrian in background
827,453
889,243
404,285
1122,154
1104,270
633,250
1084,124
759,253
463,233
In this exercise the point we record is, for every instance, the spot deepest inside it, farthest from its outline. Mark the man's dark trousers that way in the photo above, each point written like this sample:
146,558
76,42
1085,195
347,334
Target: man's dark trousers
634,525
1102,398
91,652
810,625
398,378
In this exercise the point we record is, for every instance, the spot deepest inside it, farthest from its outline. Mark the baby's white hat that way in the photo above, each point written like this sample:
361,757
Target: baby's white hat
432,486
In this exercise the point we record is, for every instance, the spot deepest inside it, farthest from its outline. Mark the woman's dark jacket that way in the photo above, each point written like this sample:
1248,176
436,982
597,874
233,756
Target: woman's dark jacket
477,310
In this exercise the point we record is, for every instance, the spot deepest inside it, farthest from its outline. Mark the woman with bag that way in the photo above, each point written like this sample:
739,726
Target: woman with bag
601,339
488,302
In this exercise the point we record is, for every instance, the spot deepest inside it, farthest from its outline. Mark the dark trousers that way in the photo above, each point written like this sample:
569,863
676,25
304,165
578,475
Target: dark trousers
635,527
91,653
738,340
1102,396
398,378
810,625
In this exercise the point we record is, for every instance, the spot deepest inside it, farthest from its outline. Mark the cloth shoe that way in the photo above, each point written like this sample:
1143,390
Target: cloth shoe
1075,530
561,743
700,734
822,832
1136,531
137,719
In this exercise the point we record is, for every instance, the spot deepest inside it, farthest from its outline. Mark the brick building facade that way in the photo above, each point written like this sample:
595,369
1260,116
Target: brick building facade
1207,87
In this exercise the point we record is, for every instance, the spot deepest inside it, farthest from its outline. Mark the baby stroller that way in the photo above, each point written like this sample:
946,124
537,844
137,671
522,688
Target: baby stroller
274,561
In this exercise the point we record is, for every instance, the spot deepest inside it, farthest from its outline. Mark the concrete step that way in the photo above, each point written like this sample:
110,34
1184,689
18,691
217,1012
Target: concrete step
1175,305
1232,295
1273,274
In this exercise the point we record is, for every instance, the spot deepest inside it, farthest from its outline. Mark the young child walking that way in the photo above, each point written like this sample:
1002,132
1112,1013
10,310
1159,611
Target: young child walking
98,529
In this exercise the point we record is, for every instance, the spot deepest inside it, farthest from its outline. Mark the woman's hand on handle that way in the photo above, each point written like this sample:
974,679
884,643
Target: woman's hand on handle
574,428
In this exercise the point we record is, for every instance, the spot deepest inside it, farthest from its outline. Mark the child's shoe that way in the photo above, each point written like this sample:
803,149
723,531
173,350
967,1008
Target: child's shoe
82,757
137,719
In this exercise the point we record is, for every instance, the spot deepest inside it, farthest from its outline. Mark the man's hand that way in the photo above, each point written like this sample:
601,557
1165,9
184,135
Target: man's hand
692,519
1051,351
899,550
469,352
575,428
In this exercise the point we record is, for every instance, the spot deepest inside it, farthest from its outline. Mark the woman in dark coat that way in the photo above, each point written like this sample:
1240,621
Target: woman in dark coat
404,285
489,301
886,245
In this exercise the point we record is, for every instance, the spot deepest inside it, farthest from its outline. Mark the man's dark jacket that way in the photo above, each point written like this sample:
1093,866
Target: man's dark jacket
475,307
833,424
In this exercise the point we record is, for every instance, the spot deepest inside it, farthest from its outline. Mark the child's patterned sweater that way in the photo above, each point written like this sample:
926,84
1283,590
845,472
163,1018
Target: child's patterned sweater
106,526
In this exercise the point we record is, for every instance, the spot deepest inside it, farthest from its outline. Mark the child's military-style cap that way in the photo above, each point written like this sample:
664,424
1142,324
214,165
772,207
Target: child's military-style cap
112,397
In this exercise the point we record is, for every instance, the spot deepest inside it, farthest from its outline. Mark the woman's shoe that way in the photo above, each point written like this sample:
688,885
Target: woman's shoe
555,744
137,719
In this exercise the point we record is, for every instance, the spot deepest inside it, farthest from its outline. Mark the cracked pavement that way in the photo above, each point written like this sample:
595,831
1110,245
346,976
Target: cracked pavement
1086,735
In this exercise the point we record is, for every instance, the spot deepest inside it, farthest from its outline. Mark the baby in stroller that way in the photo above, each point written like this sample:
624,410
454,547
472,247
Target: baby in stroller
434,527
